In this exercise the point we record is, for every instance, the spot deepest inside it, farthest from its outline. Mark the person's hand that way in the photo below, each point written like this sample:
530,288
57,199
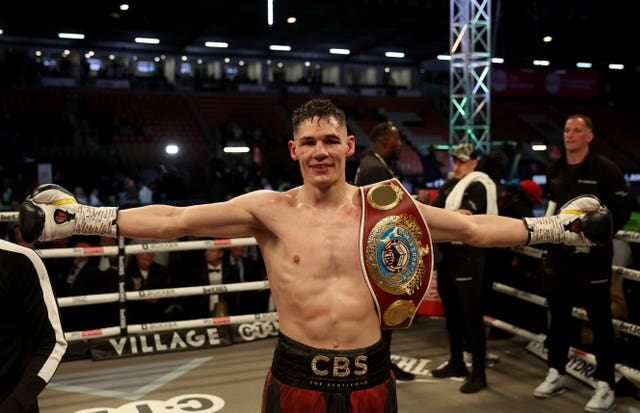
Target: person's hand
51,212
47,214
583,221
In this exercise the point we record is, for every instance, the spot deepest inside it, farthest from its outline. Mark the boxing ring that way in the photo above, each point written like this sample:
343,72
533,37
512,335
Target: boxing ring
415,349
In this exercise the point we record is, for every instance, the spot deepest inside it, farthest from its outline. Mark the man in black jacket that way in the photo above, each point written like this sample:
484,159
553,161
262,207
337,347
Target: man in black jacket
31,338
461,270
143,273
581,276
375,164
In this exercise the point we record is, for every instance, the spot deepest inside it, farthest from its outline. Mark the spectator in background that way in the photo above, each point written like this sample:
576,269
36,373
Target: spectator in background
6,192
19,189
246,269
80,195
534,190
217,272
142,273
129,194
206,267
145,195
375,162
582,275
107,282
84,278
462,268
265,184
94,197
58,267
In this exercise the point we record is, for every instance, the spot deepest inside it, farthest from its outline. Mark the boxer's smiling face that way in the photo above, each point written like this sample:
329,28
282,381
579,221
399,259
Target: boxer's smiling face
321,146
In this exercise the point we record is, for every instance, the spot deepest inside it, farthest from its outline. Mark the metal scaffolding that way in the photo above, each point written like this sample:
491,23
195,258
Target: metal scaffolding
469,73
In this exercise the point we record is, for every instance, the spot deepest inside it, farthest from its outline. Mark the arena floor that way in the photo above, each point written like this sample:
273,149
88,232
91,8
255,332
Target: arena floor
230,379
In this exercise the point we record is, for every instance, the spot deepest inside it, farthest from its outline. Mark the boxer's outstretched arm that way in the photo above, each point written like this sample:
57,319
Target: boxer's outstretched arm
478,230
164,222
229,219
583,221
51,212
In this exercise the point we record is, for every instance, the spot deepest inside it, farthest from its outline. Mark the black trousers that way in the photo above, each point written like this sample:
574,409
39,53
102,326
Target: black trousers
574,280
460,279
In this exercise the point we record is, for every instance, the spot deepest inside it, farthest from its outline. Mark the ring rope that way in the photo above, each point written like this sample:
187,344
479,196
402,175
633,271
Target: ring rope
140,295
626,371
164,246
198,290
627,273
79,300
629,236
577,312
169,325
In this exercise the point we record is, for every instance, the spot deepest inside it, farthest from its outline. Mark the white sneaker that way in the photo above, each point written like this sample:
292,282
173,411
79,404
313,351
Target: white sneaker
553,385
603,399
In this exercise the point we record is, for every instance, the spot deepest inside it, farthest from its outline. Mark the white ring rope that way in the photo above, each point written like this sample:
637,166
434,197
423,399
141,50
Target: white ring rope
163,293
629,236
169,326
577,312
523,295
78,300
626,371
165,246
198,290
529,251
627,273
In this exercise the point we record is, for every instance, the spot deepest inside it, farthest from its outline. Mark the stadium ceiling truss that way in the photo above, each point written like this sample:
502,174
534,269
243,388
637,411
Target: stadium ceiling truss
469,73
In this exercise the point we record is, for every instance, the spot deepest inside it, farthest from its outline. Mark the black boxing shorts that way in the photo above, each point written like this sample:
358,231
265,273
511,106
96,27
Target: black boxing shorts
305,379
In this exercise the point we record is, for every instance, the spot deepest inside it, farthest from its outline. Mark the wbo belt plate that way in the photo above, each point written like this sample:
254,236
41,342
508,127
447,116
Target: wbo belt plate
396,255
395,242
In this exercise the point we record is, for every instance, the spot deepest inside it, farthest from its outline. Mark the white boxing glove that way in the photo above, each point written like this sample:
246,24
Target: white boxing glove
583,221
51,212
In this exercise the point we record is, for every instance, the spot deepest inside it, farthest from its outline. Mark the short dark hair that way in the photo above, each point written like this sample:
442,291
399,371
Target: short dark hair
587,120
381,130
320,108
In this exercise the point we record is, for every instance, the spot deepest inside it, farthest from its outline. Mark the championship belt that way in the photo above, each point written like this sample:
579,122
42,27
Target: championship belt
395,252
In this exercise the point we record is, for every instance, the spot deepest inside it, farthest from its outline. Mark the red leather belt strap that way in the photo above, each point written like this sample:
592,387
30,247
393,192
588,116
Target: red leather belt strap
395,252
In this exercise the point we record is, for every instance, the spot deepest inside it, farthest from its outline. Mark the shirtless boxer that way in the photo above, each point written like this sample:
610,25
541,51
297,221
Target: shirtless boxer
329,356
